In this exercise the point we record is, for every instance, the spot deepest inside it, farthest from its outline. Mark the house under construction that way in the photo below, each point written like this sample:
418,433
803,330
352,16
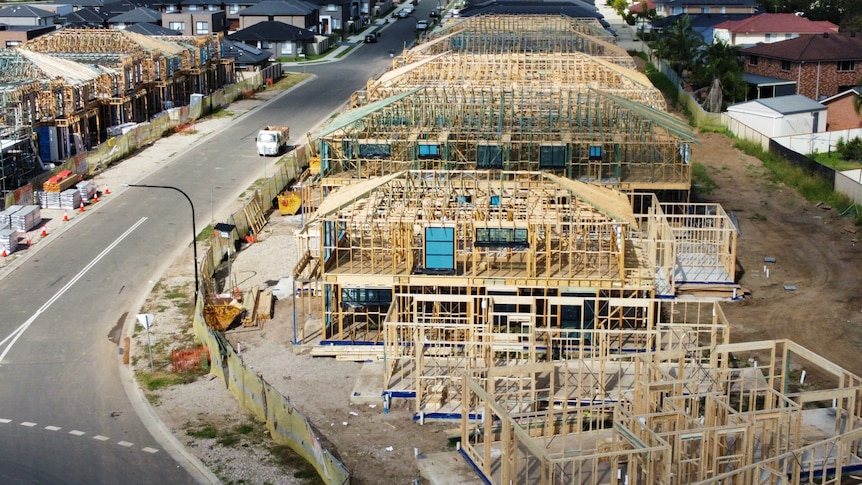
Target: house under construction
522,105
75,84
503,221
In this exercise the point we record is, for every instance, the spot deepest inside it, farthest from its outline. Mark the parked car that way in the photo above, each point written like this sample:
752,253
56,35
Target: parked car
422,25
370,38
434,14
403,14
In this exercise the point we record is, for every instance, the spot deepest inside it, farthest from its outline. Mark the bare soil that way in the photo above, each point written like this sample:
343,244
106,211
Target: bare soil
812,296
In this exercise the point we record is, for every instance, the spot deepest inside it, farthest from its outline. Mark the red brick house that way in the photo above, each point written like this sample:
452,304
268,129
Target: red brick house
821,65
840,112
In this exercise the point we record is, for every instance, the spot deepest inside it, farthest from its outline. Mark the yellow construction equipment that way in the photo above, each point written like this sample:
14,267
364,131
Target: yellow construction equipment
313,157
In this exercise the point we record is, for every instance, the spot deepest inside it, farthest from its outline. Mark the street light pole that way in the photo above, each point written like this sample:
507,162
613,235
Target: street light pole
194,229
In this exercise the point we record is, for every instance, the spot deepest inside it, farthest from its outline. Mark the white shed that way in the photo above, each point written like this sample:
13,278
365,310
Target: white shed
781,115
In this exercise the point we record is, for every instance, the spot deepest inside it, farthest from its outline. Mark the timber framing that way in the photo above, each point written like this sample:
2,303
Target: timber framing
697,413
93,79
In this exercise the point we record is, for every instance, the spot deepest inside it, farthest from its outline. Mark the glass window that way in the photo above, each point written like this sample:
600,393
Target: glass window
552,156
785,65
375,150
202,27
489,156
177,25
752,60
233,8
496,237
429,151
846,65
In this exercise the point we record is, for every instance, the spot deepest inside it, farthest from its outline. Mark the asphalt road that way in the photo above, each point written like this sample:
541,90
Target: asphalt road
65,416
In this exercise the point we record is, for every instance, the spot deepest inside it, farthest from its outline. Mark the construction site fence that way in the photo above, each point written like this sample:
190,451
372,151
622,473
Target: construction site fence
286,424
118,147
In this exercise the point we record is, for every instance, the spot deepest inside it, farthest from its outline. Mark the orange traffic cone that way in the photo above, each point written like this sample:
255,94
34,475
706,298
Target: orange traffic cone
65,216
82,206
107,190
28,241
4,252
44,232
95,196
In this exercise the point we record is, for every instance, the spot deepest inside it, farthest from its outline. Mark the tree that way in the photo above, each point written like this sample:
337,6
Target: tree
720,62
857,100
679,46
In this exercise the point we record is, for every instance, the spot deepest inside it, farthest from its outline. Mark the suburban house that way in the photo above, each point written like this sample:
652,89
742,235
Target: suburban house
245,57
84,17
767,28
336,15
15,35
278,38
841,112
668,8
144,28
298,13
26,15
136,16
781,116
196,22
822,65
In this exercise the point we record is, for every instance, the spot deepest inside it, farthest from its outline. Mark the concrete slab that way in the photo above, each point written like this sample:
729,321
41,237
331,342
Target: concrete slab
369,385
447,468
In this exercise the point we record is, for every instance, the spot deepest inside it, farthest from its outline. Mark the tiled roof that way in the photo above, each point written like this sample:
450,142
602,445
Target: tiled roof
280,7
25,11
83,16
638,7
272,31
809,48
146,28
244,54
843,94
571,8
141,14
778,22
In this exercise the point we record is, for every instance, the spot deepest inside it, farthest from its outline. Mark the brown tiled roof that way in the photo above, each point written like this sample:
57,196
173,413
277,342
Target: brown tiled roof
811,48
778,23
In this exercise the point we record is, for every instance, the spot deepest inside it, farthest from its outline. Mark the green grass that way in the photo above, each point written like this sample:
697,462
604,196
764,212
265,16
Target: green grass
834,160
701,182
204,431
222,113
781,171
288,458
161,379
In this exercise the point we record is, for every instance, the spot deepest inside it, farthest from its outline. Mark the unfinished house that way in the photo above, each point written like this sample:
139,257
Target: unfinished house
443,271
138,76
18,95
536,101
691,412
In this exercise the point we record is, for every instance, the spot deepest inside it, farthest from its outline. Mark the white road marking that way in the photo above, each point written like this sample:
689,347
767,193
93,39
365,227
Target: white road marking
125,443
24,326
150,450
101,438
53,428
28,424
77,433
5,421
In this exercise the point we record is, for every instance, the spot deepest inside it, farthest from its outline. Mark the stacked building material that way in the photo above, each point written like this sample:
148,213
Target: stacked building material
60,182
27,218
9,240
6,215
70,199
87,188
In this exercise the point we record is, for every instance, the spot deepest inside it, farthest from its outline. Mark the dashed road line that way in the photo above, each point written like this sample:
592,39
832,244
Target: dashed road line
76,432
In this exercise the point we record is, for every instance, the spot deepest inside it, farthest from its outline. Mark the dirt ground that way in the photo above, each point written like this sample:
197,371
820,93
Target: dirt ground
816,252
